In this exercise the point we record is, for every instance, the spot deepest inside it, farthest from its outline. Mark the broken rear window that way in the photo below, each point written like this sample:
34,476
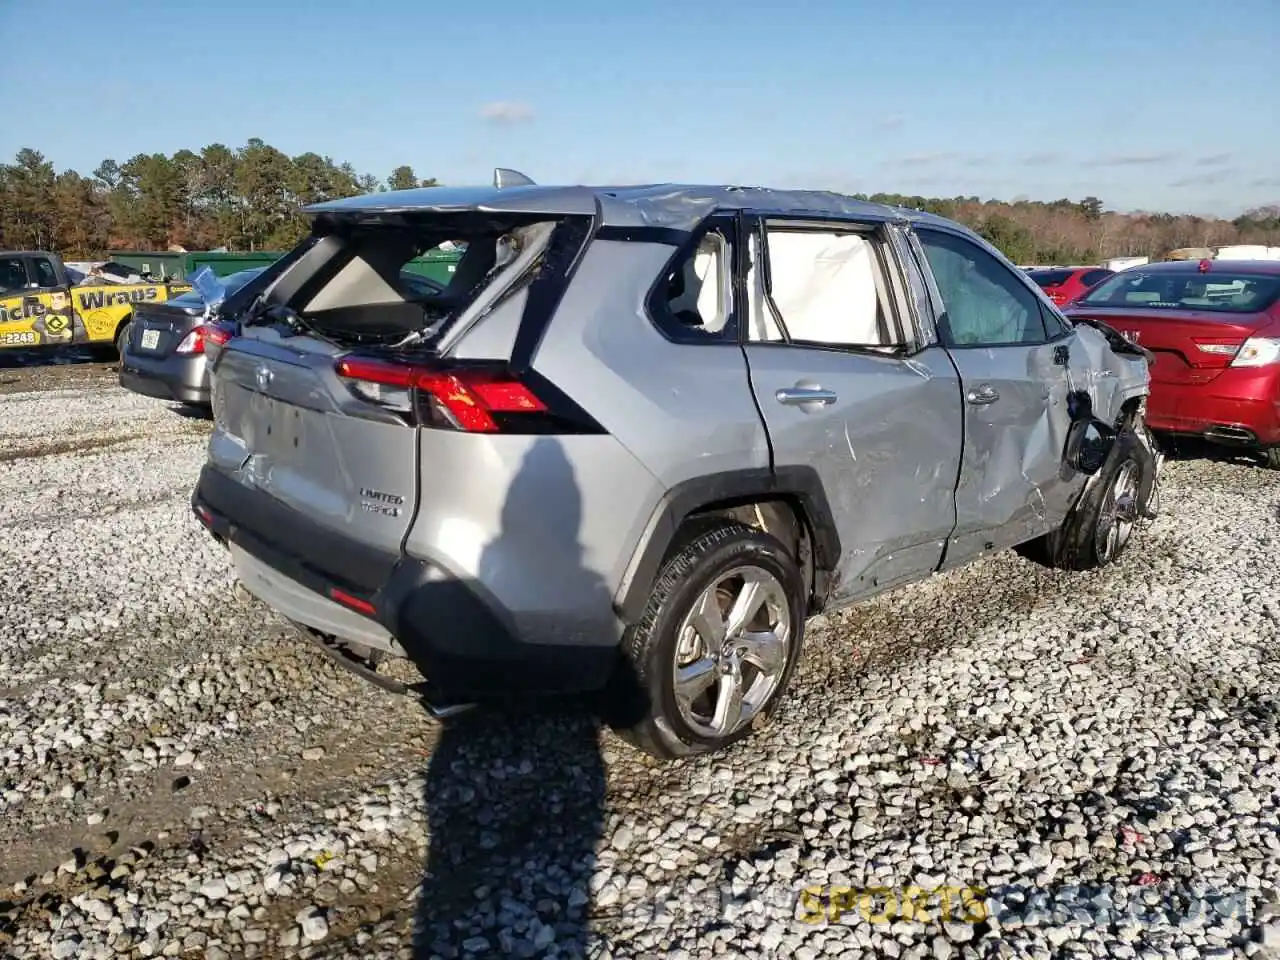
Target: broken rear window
369,283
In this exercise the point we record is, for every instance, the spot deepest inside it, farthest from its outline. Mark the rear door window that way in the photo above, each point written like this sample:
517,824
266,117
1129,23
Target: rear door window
45,275
822,286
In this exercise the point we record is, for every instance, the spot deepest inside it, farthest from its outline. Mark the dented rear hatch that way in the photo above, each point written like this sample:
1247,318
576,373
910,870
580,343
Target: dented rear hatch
286,424
319,399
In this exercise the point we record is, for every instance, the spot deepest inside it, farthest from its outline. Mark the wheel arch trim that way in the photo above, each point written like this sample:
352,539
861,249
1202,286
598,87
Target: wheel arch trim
800,484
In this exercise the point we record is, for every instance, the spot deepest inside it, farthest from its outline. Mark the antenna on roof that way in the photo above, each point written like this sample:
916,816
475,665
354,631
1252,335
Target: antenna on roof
502,177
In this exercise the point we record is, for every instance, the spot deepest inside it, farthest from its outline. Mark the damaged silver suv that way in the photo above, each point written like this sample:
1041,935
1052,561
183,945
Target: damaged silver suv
645,432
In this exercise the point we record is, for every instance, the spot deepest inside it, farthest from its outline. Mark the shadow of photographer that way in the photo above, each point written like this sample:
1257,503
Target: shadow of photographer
515,792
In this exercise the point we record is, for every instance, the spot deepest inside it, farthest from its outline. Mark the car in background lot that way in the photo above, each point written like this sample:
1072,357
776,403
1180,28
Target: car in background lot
601,459
1064,284
45,305
1214,328
166,351
164,347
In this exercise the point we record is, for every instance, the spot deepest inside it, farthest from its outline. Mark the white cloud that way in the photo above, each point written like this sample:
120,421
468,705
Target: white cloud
506,112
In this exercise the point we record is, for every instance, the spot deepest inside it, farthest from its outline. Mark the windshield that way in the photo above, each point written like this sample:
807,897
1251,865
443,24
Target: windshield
1216,291
232,282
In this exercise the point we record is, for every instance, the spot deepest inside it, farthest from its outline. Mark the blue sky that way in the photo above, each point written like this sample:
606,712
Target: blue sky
1152,104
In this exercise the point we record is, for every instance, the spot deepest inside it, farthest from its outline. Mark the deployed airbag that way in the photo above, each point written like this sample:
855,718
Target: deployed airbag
824,286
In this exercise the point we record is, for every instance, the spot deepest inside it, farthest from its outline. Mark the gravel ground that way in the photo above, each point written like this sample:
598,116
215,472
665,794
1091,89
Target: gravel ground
1091,762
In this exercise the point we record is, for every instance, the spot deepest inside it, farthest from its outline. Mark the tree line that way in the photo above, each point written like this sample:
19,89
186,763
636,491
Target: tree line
250,199
244,199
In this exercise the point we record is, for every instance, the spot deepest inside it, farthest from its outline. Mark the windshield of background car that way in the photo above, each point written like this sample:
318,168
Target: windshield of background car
1049,278
232,282
1215,291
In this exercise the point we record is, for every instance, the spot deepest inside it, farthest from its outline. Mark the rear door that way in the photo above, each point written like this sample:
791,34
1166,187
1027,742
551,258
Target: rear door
1015,379
57,323
848,387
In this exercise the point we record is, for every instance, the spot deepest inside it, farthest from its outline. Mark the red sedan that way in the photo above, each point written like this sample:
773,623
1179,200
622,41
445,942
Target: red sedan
1214,328
1064,284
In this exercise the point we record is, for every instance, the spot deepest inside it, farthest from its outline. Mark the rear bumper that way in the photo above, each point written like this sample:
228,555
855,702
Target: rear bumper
460,638
1239,406
183,379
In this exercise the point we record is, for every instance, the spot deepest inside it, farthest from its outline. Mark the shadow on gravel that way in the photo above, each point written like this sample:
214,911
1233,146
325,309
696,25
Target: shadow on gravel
515,807
515,793
191,412
52,357
1193,448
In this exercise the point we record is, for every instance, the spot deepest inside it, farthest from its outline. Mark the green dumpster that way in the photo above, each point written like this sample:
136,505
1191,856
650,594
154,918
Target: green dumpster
168,265
436,264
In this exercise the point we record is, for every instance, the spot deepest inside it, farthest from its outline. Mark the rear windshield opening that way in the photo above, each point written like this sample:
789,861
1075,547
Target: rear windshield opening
381,284
1215,291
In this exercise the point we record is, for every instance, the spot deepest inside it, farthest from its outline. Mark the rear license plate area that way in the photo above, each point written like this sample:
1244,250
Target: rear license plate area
278,430
150,339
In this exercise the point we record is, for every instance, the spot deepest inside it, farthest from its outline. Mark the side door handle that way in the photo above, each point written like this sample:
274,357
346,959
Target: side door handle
983,395
804,396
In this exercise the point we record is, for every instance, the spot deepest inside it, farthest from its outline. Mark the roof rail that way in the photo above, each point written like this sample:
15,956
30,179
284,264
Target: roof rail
503,177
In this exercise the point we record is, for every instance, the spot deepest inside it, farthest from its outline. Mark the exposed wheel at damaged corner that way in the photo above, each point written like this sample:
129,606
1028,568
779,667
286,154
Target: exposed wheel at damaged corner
1118,495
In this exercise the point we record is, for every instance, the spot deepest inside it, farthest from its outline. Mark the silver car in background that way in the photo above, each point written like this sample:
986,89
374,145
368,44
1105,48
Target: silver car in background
646,432
165,349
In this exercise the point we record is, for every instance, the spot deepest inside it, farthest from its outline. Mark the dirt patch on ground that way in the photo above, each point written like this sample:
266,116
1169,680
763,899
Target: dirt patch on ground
24,371
72,445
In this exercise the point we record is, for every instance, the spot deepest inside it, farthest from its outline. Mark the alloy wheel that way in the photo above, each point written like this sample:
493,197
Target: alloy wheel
1118,514
732,650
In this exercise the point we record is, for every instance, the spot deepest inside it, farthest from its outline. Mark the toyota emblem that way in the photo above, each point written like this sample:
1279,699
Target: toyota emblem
264,376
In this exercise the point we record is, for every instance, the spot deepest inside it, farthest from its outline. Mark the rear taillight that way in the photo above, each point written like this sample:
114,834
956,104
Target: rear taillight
194,342
1258,352
470,399
1219,346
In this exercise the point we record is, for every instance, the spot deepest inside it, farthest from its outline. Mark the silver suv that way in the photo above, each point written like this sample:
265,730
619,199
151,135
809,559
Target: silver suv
646,432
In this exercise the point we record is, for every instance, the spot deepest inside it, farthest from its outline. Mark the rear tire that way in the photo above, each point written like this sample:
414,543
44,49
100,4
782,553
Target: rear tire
1271,458
727,615
122,339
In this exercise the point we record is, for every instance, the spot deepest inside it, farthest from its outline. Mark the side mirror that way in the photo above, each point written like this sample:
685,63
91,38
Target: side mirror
1089,440
1090,448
